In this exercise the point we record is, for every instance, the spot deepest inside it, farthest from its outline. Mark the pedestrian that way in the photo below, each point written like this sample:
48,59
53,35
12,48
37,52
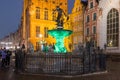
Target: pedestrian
102,60
23,47
45,48
50,48
8,57
3,54
18,60
105,46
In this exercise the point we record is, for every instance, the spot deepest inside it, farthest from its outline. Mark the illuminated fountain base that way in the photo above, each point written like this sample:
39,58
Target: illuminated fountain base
59,35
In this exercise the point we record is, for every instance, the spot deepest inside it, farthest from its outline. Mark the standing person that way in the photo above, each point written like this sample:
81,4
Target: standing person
50,48
17,60
105,46
3,53
31,48
22,60
102,60
23,47
45,49
53,47
8,57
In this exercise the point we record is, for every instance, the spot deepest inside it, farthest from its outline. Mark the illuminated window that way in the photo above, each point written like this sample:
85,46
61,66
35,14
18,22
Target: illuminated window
53,16
46,14
37,13
46,32
37,31
113,28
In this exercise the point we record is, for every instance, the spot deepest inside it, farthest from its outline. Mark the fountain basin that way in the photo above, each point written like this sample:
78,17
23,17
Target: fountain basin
59,35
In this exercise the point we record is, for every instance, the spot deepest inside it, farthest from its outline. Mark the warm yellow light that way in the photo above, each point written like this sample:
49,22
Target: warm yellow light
40,35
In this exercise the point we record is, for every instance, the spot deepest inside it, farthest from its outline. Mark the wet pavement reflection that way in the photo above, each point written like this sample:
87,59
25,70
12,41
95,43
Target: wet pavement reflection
10,74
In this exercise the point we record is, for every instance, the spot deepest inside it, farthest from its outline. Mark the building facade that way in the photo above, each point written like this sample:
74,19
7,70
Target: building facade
38,18
11,41
90,22
109,27
77,23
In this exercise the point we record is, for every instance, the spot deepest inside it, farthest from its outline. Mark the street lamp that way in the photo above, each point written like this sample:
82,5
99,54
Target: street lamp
40,35
41,38
40,43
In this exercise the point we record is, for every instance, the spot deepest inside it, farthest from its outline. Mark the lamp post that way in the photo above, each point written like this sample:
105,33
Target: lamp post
41,42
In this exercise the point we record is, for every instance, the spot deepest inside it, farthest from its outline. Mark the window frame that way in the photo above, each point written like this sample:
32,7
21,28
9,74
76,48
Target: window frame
94,17
91,5
37,31
37,12
88,18
113,28
46,14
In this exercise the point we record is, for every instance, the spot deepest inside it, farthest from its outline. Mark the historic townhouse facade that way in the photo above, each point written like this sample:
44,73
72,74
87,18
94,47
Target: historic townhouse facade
38,18
109,25
77,23
90,22
11,40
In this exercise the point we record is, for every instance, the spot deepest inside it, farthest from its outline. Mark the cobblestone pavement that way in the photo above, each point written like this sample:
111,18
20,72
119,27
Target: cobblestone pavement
10,74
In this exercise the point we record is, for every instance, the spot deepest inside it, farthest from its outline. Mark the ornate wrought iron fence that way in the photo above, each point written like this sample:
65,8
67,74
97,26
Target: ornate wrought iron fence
66,64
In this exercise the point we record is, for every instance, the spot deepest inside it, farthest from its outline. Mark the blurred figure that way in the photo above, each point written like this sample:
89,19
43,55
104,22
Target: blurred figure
8,57
17,59
3,54
23,47
45,48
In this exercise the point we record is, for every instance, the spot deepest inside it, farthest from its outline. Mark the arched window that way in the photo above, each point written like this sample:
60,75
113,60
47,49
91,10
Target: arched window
113,28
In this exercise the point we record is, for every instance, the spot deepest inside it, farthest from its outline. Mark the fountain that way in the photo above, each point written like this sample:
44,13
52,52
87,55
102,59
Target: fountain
59,34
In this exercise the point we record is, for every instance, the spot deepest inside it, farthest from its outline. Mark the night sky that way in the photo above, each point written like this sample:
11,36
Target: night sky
10,14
